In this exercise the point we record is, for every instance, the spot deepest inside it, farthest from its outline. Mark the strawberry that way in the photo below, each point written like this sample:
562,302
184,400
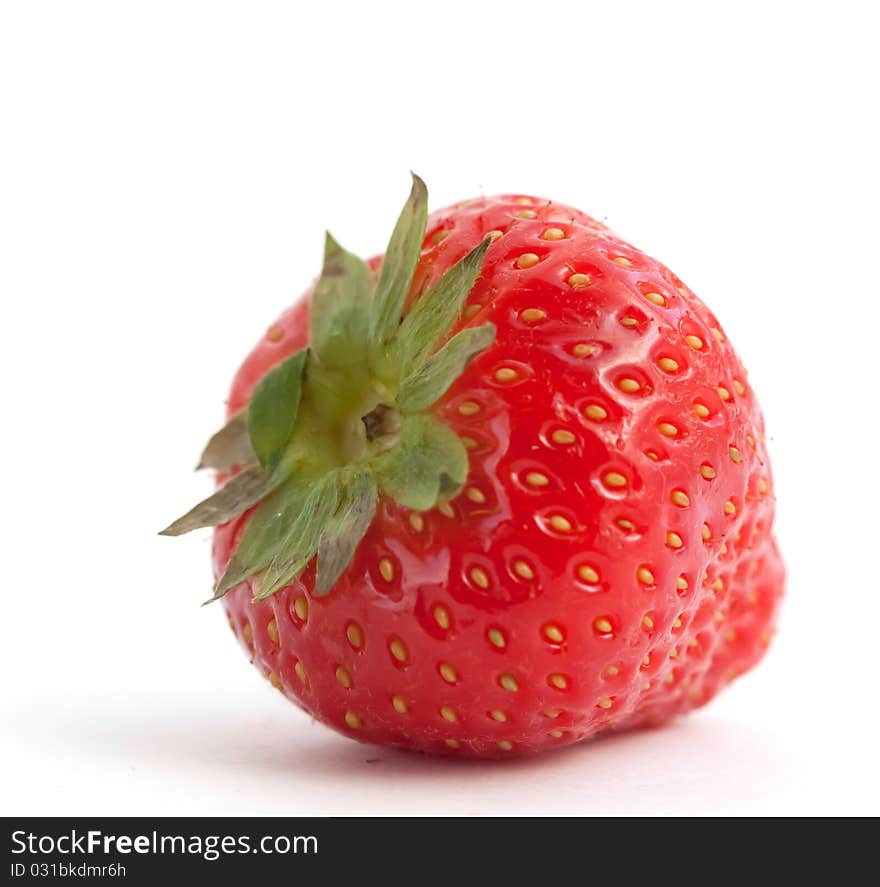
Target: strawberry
535,508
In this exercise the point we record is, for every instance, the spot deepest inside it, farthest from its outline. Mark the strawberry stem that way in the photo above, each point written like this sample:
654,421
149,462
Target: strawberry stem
348,418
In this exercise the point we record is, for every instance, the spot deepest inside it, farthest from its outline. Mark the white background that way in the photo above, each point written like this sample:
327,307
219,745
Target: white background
166,172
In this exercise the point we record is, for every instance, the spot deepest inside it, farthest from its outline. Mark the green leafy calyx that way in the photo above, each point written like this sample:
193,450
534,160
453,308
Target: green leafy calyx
336,424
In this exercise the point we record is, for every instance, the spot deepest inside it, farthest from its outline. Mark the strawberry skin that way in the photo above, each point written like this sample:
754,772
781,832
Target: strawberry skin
609,562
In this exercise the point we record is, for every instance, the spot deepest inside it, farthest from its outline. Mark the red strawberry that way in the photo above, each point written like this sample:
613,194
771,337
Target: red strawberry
602,557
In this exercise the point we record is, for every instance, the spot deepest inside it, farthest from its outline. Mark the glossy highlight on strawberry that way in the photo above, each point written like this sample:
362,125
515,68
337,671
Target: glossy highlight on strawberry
607,561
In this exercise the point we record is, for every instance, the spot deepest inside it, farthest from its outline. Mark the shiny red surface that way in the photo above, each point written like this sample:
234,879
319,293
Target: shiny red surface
670,648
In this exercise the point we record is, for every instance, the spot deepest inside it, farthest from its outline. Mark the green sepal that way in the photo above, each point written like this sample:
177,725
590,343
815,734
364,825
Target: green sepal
398,269
428,322
339,316
302,538
273,410
229,447
277,530
345,530
231,500
428,459
334,424
430,381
